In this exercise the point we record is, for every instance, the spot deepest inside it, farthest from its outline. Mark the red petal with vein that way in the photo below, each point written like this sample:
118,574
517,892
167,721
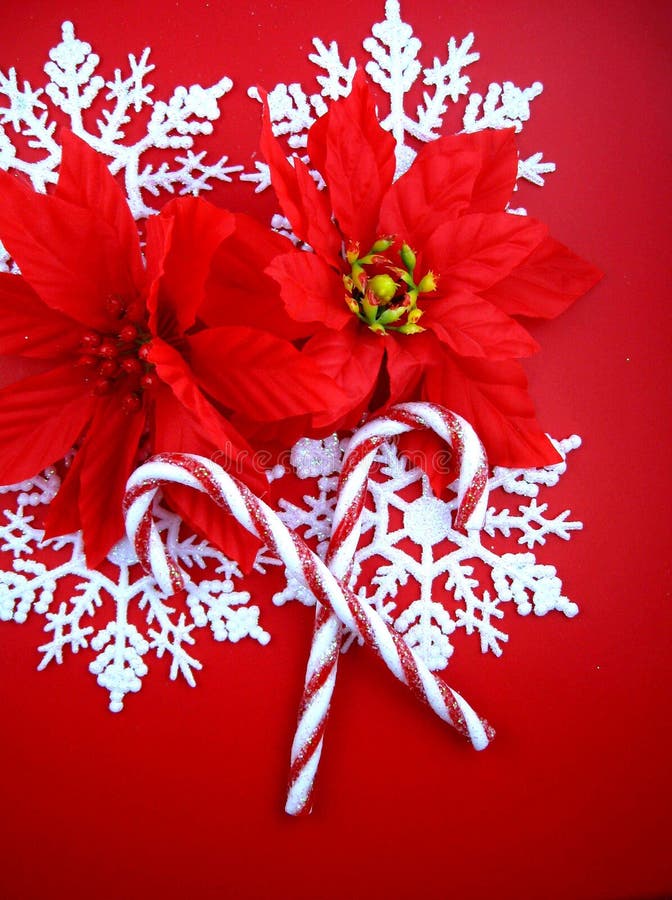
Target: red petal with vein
498,171
407,361
546,283
359,164
198,228
258,375
108,453
436,189
40,420
174,429
85,180
238,292
69,255
63,511
28,327
201,415
431,453
471,326
310,289
305,206
159,235
475,251
493,398
352,358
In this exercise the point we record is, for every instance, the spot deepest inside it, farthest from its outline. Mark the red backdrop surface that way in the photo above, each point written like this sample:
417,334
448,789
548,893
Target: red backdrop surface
181,795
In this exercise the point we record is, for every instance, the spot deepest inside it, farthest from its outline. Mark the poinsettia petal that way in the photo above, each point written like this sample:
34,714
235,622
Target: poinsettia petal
425,449
310,289
238,292
546,283
108,453
16,368
471,326
179,261
306,207
69,255
30,328
158,238
493,398
359,164
352,358
172,370
475,251
407,358
259,375
174,429
216,525
85,180
41,417
496,178
63,511
436,188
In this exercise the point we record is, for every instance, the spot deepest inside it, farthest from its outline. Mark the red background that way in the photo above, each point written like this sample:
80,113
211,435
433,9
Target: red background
182,794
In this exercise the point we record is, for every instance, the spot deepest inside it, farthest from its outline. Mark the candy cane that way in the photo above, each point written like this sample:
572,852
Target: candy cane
328,631
208,478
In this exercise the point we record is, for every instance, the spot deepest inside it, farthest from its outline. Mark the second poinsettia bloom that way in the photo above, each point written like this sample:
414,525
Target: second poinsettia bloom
411,287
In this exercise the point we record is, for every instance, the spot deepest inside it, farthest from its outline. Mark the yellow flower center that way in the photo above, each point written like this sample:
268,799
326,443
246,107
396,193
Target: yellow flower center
382,291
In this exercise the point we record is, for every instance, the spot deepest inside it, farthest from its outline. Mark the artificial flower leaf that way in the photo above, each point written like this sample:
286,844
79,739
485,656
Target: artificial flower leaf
41,418
63,511
85,180
546,283
359,164
352,358
471,326
179,258
306,207
173,371
69,255
436,189
476,251
172,428
426,450
493,398
259,375
310,289
238,291
498,170
215,524
407,361
28,327
108,452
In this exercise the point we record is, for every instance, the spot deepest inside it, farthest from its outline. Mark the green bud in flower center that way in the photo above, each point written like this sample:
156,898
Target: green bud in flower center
383,287
383,293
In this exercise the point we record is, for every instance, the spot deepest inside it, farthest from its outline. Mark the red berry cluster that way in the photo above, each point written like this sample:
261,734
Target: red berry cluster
118,361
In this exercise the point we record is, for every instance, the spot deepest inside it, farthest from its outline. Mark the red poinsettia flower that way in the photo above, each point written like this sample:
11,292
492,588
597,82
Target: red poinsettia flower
412,286
122,358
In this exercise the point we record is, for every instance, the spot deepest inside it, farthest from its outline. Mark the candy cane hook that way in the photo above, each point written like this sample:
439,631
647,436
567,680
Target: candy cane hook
328,632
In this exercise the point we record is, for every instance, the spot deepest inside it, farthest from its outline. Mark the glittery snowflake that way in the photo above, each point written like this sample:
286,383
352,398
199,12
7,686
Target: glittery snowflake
417,570
117,611
392,52
73,85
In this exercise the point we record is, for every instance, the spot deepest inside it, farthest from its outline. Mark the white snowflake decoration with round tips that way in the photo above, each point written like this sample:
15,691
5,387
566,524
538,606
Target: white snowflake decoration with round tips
73,86
426,522
393,64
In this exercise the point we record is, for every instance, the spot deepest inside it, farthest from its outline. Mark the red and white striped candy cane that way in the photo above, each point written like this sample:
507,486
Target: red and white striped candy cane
208,478
328,631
